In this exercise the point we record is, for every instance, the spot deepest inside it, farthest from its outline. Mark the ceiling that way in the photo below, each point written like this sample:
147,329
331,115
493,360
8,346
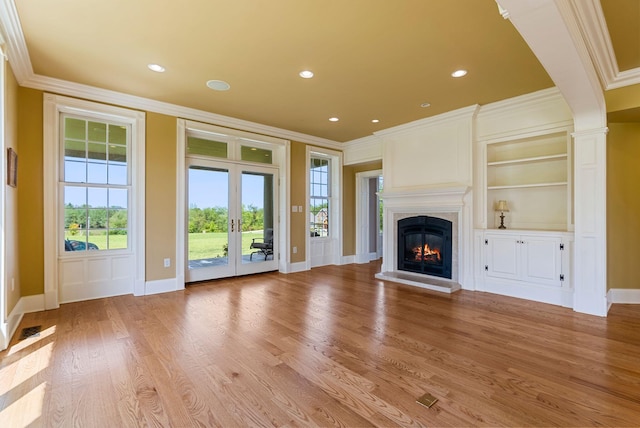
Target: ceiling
372,59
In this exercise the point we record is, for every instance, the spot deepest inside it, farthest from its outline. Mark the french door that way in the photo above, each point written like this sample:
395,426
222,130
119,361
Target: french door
231,222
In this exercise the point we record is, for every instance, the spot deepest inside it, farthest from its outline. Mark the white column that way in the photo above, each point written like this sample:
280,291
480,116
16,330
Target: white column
590,198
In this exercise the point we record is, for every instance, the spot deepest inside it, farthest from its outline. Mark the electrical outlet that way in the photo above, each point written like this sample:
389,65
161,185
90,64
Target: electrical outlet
167,262
294,208
299,208
295,250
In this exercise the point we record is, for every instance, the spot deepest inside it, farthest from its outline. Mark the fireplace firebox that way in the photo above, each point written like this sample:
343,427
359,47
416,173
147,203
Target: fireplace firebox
425,246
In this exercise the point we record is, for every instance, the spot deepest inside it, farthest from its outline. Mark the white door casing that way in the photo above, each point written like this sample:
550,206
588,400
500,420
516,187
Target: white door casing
281,155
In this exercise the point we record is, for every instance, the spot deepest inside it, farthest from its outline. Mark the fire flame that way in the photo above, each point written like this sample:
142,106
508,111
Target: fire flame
427,253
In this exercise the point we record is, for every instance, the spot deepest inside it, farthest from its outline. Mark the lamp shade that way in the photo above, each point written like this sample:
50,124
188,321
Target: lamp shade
502,206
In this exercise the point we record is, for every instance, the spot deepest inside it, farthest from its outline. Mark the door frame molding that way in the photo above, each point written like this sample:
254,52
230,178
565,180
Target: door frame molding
53,106
281,153
336,237
362,214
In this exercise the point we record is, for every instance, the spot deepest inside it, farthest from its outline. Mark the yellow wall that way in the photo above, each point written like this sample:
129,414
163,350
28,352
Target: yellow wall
623,205
622,98
161,135
299,227
30,200
349,203
12,195
160,205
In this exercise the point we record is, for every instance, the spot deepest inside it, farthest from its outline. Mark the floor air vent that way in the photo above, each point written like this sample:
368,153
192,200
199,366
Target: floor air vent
28,332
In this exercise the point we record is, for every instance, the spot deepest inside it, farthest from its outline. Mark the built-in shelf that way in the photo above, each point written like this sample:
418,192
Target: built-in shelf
533,175
528,160
524,186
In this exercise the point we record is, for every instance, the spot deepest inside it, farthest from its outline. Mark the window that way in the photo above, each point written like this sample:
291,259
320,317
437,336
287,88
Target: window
96,180
319,195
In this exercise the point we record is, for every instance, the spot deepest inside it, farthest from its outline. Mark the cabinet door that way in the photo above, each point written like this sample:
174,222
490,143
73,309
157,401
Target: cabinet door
502,256
541,259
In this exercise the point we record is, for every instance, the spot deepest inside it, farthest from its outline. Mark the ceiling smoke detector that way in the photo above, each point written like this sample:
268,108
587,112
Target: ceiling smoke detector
218,85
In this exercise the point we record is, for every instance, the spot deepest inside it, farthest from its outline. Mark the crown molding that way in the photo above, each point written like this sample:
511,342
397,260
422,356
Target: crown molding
20,62
369,139
526,101
594,30
64,87
16,46
454,115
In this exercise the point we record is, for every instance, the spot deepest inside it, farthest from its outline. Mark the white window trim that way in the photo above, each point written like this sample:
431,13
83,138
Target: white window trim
335,202
54,105
5,327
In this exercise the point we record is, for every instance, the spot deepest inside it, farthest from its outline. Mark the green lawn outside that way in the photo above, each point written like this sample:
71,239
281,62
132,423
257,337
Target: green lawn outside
115,241
210,245
201,245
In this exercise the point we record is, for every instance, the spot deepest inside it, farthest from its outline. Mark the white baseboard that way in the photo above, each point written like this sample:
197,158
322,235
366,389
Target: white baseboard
25,305
160,286
347,260
32,303
297,267
624,295
523,290
362,258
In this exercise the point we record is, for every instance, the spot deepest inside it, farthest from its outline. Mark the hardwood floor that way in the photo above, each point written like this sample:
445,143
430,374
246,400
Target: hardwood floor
328,347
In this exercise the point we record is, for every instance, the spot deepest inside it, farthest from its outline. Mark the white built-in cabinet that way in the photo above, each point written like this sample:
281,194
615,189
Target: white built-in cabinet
532,257
525,257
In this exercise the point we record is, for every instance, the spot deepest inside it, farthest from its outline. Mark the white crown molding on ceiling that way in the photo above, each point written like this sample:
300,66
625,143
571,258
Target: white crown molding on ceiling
593,27
453,115
20,62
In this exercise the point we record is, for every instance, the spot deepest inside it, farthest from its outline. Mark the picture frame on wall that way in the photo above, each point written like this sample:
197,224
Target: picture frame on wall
12,167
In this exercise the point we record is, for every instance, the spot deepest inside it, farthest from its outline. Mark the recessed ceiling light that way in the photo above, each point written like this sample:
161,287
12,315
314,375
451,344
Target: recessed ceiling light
306,74
333,119
425,105
218,85
375,120
156,67
459,73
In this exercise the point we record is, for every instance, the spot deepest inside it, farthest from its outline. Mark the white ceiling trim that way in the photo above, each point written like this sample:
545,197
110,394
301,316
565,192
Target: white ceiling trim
461,113
131,101
20,62
595,32
16,45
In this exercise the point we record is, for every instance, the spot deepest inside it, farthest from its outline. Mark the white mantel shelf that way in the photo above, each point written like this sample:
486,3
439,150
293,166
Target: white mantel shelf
424,197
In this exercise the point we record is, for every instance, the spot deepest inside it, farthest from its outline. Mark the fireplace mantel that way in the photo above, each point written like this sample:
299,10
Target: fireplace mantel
451,202
435,197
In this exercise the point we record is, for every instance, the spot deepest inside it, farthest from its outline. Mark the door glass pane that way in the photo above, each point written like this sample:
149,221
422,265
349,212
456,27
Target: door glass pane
254,154
201,146
208,242
257,217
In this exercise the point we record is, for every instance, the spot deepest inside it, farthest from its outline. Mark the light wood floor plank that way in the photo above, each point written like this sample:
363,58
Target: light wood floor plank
329,347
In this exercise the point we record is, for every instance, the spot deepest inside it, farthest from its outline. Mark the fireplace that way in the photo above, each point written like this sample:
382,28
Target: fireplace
425,245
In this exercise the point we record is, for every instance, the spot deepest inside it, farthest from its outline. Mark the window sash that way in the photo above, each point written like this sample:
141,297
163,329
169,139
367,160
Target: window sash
95,183
319,196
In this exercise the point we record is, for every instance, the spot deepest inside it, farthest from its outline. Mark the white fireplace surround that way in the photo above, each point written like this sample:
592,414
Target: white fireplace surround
451,203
